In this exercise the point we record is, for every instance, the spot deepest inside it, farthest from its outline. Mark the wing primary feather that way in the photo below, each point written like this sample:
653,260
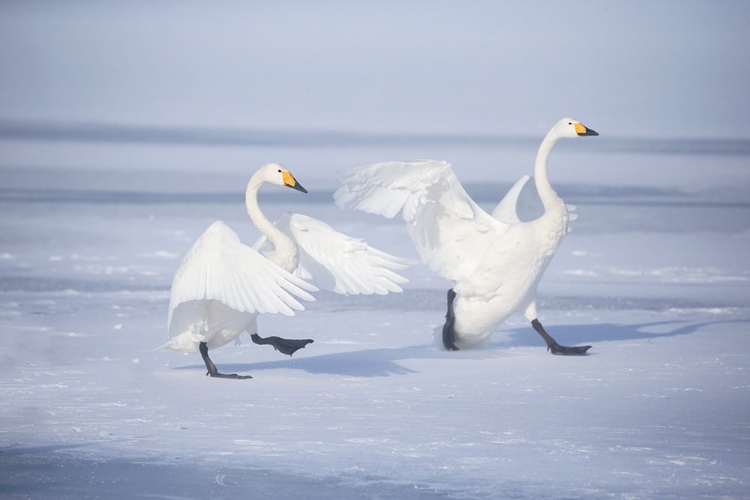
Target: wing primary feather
219,267
337,262
450,231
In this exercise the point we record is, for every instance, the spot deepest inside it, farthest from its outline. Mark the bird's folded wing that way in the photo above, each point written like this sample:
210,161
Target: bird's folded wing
219,267
450,231
337,262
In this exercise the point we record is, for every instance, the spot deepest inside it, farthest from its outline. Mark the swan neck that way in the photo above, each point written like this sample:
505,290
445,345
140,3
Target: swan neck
284,252
549,197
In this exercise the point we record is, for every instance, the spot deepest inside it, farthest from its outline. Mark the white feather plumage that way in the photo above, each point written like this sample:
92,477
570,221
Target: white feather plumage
337,262
495,261
222,285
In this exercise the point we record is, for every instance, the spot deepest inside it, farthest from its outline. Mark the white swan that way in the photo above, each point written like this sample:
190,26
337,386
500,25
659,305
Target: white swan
495,262
222,285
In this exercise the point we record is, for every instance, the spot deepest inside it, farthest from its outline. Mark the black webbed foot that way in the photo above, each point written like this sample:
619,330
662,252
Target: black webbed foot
556,348
449,331
285,346
228,375
449,336
211,367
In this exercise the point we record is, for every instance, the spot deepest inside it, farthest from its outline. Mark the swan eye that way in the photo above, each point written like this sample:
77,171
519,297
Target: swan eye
569,123
279,171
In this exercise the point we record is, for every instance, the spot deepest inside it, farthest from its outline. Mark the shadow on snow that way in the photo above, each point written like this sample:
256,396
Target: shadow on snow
382,362
606,332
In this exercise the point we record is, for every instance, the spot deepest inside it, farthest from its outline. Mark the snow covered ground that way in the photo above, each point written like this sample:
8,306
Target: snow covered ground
655,275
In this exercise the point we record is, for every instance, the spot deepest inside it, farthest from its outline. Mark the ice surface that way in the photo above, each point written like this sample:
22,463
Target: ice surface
655,276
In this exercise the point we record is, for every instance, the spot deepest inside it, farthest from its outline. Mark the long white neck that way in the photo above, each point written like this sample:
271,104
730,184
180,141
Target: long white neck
549,197
284,254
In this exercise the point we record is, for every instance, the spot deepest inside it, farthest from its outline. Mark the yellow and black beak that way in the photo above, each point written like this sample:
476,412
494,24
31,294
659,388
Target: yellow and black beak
291,182
581,130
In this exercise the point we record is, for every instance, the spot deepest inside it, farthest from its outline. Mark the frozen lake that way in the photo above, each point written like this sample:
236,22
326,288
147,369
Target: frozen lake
654,275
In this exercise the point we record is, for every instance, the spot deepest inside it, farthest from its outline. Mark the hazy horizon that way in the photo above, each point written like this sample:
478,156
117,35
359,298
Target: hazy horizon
636,69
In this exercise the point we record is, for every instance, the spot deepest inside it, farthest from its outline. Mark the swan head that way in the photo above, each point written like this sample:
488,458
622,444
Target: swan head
276,173
568,127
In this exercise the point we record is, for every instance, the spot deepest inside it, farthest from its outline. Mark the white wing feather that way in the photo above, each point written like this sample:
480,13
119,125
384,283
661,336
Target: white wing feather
450,231
219,267
337,262
520,204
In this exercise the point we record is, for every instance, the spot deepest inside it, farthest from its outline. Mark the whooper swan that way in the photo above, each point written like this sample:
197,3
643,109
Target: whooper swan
222,285
495,261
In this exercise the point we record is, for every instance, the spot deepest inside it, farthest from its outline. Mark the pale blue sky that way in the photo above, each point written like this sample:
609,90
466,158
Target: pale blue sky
634,68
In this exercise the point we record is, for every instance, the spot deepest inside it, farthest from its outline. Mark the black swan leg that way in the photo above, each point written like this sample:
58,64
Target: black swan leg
449,332
211,367
286,346
556,348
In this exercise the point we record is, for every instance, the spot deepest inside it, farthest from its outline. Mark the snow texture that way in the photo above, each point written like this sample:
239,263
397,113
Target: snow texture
654,275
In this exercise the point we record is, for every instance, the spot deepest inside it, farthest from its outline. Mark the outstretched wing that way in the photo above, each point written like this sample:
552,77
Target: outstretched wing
219,267
520,204
337,262
450,231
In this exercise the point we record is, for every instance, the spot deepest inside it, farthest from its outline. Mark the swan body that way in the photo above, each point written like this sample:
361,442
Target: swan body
495,261
223,285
